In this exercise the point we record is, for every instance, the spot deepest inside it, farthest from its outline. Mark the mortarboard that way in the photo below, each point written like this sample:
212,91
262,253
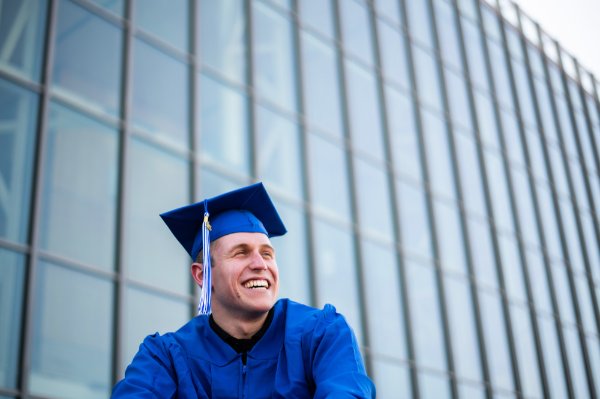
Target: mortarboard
245,210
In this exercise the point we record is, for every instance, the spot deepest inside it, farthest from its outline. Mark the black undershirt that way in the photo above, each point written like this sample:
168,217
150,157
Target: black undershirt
242,346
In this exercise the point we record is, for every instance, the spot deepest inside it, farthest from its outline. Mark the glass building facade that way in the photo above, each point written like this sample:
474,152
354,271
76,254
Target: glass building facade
437,163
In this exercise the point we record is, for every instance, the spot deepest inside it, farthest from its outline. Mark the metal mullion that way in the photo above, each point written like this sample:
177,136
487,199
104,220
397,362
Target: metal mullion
351,178
31,275
391,181
490,205
464,225
119,303
301,99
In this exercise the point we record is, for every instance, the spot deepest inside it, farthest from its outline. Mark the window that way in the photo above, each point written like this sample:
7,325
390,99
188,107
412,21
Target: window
438,156
419,21
393,55
166,20
428,84
450,238
356,30
526,352
318,15
414,221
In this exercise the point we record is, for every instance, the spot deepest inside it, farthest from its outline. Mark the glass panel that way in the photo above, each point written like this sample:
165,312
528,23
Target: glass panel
458,99
576,363
78,217
160,95
291,255
571,235
496,341
211,184
389,9
512,138
384,300
426,315
318,15
336,272
433,386
558,168
393,55
471,391
548,219
18,118
535,147
223,125
223,37
585,304
470,174
540,286
488,127
482,253
428,85
364,113
552,357
373,196
563,294
87,60
475,55
526,353
499,191
274,63
450,238
166,20
525,210
512,268
448,36
594,354
158,182
321,85
356,29
116,6
459,303
147,313
419,21
391,379
329,191
403,134
525,99
414,221
278,151
437,148
543,101
73,330
12,274
592,245
500,73
22,29
565,124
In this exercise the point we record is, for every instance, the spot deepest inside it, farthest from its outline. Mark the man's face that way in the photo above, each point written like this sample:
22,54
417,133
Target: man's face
245,279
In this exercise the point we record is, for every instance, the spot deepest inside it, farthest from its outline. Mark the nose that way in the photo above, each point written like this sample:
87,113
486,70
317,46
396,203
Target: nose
258,262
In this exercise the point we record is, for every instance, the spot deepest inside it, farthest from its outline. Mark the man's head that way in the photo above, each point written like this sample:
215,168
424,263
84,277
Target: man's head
245,218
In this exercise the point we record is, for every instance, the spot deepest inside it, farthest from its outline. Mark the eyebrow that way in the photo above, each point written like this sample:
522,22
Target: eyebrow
246,245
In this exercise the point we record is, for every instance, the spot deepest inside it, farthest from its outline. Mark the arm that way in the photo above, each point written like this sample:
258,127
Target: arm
337,366
150,375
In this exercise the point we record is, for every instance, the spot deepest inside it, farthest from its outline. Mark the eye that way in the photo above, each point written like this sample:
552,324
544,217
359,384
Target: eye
268,255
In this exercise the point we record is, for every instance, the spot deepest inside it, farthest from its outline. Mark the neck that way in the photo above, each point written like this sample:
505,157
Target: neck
237,327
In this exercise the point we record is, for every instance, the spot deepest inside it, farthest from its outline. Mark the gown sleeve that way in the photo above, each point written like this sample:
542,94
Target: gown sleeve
151,374
337,366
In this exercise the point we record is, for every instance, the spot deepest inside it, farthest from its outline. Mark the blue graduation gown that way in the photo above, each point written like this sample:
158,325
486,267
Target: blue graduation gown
305,353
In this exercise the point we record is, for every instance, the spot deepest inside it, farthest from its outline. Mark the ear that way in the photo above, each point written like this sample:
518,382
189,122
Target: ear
197,272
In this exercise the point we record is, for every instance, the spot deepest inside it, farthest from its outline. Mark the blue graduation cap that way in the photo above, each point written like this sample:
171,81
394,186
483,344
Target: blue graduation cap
245,210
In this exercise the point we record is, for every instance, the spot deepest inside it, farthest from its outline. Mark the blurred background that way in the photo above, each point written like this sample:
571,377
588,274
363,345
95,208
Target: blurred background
437,163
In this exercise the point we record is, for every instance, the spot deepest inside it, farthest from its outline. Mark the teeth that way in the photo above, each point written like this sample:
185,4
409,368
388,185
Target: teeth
256,283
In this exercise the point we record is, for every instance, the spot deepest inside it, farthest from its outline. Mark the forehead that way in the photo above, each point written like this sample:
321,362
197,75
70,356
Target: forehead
235,239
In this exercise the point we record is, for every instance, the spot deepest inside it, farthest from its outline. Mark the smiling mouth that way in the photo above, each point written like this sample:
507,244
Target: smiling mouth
254,284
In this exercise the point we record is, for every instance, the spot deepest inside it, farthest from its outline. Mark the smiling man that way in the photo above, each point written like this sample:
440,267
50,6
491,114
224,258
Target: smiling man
244,343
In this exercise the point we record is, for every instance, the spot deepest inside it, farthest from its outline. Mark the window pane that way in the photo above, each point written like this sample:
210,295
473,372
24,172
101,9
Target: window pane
273,57
336,272
500,73
576,363
158,182
278,151
73,334
160,94
87,62
384,300
166,20
12,273
438,155
22,29
147,313
414,221
512,138
318,15
525,209
291,255
18,117
329,191
363,104
419,21
393,55
389,9
426,317
450,238
391,379
470,174
458,99
321,85
496,341
115,6
459,303
428,84
80,185
433,386
552,357
488,127
223,37
403,134
563,293
538,274
526,353
356,29
447,33
585,304
475,59
373,194
512,268
482,253
499,191
548,219
223,125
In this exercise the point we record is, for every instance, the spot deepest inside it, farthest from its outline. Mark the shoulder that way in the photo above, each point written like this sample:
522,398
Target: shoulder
307,320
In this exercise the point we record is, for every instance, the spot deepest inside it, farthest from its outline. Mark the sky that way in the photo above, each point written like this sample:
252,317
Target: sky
575,24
